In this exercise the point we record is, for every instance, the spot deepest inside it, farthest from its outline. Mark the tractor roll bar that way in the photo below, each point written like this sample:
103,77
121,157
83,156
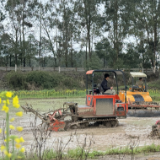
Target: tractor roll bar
116,72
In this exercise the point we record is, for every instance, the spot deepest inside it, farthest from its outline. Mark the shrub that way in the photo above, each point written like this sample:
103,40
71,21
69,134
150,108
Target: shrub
41,79
16,80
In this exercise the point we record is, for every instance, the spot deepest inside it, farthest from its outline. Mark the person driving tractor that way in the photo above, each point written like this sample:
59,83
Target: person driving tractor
140,83
105,87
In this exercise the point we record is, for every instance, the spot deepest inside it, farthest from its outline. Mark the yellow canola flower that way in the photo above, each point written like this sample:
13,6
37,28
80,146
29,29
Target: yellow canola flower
16,105
19,129
0,130
18,145
19,157
22,149
16,102
6,140
21,139
17,140
5,108
9,94
12,119
11,127
3,148
7,154
0,100
20,114
4,102
8,101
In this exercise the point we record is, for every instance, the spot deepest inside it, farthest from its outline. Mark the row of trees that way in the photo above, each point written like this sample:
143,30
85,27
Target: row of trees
80,33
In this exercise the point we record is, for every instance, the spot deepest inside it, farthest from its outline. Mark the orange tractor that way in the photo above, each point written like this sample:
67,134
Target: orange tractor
101,108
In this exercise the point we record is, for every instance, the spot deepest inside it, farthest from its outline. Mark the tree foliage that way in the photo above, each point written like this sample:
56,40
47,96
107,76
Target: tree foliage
80,33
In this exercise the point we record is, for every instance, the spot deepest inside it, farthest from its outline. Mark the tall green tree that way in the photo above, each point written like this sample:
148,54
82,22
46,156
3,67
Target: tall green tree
145,26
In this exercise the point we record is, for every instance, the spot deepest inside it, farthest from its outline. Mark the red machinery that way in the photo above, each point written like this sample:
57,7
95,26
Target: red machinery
100,108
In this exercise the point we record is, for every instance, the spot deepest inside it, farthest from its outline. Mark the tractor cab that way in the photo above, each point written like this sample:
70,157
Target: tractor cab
137,92
98,103
138,82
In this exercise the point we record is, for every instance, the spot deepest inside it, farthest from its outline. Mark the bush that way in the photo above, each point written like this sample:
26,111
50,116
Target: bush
16,80
36,80
41,79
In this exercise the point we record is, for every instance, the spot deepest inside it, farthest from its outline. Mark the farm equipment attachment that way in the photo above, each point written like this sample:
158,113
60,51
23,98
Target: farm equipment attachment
100,108
155,129
139,101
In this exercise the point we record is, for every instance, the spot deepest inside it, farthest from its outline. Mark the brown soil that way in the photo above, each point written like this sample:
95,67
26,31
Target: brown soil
130,130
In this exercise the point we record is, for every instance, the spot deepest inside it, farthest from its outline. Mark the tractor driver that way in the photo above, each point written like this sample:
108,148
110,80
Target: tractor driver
140,83
104,86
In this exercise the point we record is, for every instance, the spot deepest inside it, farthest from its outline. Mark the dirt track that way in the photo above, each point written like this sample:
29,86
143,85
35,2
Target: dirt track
131,131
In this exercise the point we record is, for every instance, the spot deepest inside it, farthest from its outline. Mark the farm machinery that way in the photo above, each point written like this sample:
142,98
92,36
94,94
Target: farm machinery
139,101
155,129
101,108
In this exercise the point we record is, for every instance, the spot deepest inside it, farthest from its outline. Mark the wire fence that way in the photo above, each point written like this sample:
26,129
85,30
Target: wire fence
69,69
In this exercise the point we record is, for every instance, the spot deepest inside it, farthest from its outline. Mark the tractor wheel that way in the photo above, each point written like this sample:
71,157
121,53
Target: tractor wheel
84,125
114,123
108,124
74,126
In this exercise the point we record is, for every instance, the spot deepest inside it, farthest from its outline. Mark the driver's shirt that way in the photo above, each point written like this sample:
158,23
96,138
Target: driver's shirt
104,85
139,83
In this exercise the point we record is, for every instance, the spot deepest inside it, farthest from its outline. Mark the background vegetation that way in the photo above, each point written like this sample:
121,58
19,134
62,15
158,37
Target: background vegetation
80,33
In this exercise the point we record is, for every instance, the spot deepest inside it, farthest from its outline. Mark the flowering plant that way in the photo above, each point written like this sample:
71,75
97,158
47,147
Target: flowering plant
8,100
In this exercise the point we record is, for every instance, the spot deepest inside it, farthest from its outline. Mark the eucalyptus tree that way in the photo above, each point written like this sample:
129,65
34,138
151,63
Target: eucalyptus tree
19,22
67,29
88,15
146,26
117,26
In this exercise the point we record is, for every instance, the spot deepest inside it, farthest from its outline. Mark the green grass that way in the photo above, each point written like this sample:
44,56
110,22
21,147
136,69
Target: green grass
154,84
50,93
79,153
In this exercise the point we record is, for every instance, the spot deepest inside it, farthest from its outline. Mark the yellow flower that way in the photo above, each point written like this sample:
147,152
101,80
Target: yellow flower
19,129
16,102
20,114
11,127
7,140
21,139
16,105
9,94
3,148
22,149
0,130
7,154
8,101
18,145
12,119
5,108
17,140
19,157
4,102
0,100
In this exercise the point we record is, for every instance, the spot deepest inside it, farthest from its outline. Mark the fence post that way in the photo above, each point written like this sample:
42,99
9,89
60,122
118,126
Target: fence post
59,69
